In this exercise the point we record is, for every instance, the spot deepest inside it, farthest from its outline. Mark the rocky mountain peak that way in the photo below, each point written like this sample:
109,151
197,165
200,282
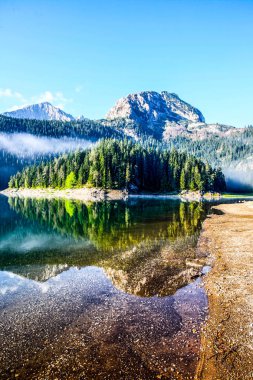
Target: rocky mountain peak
152,108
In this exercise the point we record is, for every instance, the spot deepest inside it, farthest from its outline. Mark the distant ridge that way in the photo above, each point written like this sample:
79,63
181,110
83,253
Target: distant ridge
160,115
41,111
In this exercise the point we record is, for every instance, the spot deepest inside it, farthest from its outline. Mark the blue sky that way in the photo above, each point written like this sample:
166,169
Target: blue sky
84,55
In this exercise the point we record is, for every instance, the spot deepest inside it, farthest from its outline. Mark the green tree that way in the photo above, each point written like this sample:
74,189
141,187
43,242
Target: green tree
182,180
70,181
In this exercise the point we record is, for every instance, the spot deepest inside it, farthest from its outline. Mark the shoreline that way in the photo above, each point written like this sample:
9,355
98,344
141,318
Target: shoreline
96,194
82,194
227,338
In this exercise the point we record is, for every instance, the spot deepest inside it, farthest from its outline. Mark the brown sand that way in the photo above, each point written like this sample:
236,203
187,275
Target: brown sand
227,344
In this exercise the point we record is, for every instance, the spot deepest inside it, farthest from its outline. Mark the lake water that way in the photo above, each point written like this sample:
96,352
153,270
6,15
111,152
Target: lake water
107,290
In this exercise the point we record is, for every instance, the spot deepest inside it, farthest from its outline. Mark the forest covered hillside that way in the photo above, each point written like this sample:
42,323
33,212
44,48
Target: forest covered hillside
234,154
24,142
114,164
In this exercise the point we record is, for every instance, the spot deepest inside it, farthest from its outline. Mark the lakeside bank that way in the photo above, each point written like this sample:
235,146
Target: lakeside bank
87,194
80,194
227,341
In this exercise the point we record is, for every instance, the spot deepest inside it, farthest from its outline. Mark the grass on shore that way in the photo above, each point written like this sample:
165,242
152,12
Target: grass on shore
235,195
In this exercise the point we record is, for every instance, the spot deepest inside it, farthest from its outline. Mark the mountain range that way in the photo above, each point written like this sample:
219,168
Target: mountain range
163,115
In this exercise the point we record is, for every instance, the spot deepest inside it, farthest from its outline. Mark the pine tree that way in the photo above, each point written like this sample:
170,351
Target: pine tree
182,180
70,181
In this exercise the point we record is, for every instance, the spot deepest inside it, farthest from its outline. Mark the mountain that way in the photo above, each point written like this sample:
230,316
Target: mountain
198,131
142,116
41,111
155,109
164,116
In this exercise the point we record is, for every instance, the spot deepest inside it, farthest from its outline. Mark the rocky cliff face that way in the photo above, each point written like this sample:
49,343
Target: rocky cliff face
198,131
164,116
152,108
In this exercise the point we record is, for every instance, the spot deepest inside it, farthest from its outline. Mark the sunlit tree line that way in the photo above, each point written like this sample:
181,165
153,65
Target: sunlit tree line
123,164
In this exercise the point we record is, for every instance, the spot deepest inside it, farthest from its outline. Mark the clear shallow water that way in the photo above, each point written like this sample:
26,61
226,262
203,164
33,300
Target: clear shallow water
100,290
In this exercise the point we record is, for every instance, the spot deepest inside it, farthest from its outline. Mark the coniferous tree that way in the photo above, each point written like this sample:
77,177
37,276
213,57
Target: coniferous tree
122,164
70,181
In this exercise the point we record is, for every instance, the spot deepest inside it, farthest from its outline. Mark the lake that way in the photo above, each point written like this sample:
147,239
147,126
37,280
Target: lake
107,290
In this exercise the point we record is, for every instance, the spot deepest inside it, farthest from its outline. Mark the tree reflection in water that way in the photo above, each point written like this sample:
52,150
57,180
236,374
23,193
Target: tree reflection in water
145,247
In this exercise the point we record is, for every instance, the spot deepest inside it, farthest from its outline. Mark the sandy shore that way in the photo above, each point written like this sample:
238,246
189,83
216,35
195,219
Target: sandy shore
227,344
83,194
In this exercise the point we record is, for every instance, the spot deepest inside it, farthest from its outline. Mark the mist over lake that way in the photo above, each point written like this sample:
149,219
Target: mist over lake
21,149
26,145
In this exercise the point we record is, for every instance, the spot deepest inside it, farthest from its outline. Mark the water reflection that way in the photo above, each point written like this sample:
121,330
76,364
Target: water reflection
78,325
101,290
145,247
114,225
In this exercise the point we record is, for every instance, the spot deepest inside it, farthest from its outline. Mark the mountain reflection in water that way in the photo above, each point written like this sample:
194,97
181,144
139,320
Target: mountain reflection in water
140,244
100,290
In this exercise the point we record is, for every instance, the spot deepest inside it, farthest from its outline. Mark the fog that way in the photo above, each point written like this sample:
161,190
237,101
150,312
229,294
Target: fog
20,149
239,175
28,146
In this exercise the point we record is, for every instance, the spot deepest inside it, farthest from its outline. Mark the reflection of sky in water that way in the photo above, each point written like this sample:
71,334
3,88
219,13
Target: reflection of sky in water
21,240
11,282
58,311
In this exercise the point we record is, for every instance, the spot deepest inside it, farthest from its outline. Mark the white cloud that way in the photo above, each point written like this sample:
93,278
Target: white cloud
46,96
57,98
8,93
52,97
5,92
78,88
